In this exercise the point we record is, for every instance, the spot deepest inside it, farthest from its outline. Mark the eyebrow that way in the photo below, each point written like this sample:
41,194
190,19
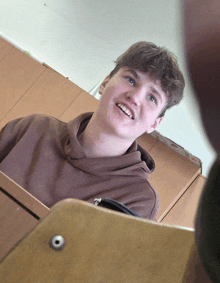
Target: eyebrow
135,74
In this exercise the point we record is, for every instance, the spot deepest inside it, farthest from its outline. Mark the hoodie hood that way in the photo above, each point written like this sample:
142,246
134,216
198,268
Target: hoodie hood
135,162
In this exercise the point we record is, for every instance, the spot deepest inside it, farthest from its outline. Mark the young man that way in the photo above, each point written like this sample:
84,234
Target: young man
96,155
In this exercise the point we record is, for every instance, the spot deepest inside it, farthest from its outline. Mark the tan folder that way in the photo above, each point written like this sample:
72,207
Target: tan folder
101,246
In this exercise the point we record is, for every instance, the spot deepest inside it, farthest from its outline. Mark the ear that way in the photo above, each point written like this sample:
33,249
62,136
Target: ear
155,125
103,84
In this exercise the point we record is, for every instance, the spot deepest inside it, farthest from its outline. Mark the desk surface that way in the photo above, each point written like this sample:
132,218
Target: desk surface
20,212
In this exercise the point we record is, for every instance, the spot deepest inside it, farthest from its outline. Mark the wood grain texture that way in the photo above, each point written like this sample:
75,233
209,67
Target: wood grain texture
26,199
172,176
19,213
51,94
184,211
147,141
5,48
84,103
18,72
15,223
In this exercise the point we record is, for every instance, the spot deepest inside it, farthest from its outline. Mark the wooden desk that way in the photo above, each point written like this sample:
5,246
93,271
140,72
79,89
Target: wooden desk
20,212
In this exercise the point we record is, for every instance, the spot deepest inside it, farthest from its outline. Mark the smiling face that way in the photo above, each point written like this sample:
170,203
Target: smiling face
130,104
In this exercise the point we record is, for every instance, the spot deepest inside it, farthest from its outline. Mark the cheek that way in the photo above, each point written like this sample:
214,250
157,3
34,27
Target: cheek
107,99
147,120
105,95
112,93
150,112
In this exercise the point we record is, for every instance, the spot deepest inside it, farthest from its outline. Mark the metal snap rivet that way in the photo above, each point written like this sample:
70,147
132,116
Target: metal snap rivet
57,242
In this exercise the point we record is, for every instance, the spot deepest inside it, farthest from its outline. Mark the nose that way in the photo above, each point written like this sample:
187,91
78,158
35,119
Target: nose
135,96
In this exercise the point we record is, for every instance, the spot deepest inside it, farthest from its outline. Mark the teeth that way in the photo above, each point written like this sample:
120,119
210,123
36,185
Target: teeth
125,110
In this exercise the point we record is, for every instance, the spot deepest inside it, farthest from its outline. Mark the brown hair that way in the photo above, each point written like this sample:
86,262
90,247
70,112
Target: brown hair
161,65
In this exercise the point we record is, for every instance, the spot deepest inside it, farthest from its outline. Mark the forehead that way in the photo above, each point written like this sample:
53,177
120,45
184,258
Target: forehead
145,78
140,75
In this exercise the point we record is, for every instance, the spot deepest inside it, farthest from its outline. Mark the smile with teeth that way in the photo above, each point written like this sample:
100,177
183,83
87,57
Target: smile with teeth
125,110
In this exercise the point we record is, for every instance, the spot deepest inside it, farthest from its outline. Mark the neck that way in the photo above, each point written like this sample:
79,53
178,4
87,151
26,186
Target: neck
99,142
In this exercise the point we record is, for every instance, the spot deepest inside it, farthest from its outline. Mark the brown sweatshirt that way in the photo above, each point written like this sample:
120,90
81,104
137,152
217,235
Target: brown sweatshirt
42,154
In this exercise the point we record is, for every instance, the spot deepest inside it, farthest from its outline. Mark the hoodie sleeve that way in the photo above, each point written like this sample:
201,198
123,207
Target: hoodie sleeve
11,133
146,204
8,137
150,208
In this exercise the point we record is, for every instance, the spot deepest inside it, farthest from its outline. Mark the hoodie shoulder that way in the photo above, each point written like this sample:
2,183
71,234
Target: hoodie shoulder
35,123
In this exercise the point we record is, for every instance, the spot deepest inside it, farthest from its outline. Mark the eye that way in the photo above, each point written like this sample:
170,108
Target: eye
131,81
152,98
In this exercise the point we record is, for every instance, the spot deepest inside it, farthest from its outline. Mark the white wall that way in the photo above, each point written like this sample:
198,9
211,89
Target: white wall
81,39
